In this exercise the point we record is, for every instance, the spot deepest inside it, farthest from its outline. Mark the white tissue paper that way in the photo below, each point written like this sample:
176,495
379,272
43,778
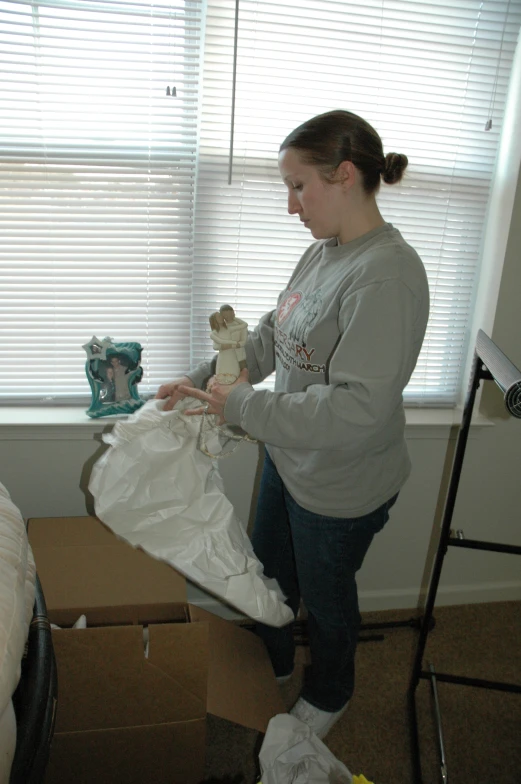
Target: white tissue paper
292,754
81,623
154,488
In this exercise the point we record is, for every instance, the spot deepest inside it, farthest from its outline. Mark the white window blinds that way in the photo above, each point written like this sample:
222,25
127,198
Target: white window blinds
102,230
97,171
427,75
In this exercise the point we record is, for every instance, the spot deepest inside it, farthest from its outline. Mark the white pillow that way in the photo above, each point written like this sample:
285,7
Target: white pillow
17,580
7,742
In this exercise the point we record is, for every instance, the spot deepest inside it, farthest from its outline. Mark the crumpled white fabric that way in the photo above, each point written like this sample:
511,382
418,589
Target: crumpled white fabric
292,754
17,590
154,488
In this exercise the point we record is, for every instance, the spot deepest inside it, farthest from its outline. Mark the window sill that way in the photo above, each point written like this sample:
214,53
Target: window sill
72,423
53,423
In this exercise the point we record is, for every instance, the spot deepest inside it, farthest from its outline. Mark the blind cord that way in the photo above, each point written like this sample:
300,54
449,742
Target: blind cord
234,85
488,124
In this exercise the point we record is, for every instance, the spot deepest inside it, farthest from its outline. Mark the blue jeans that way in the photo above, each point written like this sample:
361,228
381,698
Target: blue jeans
314,557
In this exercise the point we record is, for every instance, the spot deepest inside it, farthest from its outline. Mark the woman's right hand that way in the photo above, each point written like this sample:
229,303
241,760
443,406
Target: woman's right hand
171,391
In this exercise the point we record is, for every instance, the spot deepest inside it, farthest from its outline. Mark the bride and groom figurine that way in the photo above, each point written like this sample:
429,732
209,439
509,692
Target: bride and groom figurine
229,335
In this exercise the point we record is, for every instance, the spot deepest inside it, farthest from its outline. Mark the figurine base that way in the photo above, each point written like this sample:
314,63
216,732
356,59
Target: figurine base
225,378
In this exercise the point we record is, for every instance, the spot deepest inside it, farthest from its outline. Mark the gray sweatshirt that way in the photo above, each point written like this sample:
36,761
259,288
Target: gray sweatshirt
344,340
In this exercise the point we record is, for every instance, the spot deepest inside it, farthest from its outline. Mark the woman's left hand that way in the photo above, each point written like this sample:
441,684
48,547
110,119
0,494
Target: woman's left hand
215,399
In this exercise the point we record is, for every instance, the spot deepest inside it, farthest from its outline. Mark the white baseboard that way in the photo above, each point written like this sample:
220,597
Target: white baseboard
374,601
477,593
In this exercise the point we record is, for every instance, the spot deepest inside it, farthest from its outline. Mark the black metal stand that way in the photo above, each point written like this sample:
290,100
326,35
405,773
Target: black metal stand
300,629
489,364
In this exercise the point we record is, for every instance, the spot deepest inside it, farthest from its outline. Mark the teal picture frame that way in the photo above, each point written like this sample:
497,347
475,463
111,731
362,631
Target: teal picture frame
113,371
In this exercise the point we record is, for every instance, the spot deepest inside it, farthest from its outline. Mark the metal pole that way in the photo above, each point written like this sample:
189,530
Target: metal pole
440,555
444,772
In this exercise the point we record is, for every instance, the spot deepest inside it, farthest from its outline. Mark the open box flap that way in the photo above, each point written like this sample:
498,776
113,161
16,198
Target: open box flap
69,531
106,682
81,564
120,614
181,651
241,682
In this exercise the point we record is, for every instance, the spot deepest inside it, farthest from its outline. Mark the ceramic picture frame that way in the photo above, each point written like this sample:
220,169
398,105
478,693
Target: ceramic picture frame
113,371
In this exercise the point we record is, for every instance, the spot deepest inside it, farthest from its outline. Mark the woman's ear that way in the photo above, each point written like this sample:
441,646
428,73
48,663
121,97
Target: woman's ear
346,174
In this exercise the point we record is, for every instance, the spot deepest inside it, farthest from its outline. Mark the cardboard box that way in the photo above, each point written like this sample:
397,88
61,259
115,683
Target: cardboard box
122,717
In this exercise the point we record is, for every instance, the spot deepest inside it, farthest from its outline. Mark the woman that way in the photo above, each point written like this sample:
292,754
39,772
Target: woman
344,340
108,388
122,392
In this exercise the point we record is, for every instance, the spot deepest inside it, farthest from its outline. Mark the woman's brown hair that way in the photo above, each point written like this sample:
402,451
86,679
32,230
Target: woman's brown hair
328,139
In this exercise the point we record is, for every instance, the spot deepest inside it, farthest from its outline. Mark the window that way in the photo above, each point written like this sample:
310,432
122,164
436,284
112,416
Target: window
97,173
427,75
117,217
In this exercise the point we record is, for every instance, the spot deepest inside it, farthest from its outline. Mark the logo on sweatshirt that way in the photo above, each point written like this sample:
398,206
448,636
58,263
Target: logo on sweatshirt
306,317
288,305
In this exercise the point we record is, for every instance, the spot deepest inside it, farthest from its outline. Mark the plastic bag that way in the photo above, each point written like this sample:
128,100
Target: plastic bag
158,491
292,754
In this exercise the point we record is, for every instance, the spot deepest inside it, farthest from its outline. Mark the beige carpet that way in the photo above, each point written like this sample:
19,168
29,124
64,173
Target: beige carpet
482,728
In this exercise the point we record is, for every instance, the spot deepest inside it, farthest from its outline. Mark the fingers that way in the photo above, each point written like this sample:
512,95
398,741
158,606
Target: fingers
166,390
171,389
198,393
